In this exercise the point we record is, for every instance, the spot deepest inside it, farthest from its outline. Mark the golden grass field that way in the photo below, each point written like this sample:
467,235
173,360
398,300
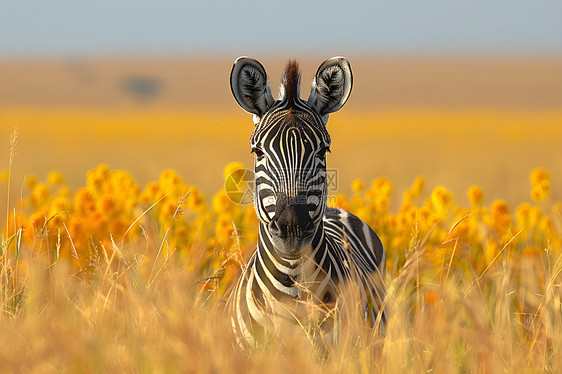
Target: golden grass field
121,243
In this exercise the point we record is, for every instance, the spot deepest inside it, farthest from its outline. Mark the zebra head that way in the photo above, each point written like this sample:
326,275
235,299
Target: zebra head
290,142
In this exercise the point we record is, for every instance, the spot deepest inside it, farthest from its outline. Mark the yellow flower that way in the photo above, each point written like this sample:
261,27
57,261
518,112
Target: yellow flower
64,191
151,192
546,225
357,185
4,175
83,201
230,168
30,181
61,204
168,210
522,214
55,178
60,209
417,186
407,200
540,191
381,186
221,202
379,193
97,177
499,207
195,200
500,214
475,195
181,231
357,202
38,220
224,228
339,201
107,205
101,171
441,198
535,214
40,194
539,176
171,183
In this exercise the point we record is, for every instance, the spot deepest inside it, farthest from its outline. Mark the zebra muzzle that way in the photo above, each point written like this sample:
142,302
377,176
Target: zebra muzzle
286,231
292,219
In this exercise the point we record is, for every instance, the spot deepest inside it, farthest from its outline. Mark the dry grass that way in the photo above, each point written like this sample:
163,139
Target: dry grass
444,317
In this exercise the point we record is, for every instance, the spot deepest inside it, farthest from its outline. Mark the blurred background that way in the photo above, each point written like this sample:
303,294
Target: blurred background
462,92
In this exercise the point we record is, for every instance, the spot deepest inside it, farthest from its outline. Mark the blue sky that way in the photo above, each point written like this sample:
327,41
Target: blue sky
67,27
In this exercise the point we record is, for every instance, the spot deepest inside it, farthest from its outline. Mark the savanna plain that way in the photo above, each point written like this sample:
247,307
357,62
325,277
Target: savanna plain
120,240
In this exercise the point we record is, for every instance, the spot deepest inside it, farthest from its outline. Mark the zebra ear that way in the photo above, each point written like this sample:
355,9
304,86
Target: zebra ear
331,86
249,85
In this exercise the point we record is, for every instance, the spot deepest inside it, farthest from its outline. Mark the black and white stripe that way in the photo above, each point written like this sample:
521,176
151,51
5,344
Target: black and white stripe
306,251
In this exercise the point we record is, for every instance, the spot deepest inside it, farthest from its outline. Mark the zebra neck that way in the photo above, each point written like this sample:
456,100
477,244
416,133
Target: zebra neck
289,271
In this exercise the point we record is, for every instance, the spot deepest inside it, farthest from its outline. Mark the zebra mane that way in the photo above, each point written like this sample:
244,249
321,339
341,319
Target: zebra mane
290,83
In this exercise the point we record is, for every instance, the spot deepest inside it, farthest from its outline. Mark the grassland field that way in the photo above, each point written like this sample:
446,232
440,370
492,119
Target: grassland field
107,265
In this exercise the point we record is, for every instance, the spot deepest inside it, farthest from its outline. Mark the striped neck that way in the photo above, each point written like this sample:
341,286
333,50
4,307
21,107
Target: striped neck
289,271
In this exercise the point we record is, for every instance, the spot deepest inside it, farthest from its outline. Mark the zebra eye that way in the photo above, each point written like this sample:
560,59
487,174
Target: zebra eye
259,153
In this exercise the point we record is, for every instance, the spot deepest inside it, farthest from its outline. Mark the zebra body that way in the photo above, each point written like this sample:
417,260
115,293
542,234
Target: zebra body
307,253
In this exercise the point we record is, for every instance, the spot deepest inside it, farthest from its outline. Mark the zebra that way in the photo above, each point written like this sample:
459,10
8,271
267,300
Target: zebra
307,253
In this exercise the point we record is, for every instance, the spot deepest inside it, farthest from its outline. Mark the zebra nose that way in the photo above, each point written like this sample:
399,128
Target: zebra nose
278,229
291,219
